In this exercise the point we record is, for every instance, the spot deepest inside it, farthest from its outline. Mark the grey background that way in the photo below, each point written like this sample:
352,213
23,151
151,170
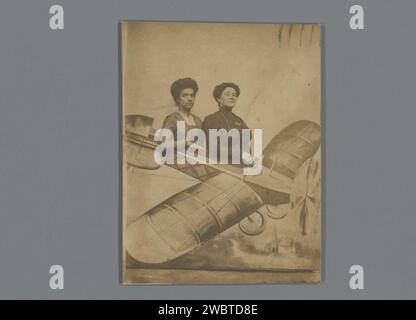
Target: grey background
59,146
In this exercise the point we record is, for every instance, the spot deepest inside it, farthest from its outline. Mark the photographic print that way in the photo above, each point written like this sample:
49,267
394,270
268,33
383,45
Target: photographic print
221,143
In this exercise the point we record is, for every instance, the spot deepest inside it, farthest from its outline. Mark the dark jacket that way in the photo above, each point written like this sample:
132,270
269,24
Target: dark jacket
223,119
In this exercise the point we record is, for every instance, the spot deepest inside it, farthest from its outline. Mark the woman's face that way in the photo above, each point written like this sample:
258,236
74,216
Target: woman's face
228,98
186,99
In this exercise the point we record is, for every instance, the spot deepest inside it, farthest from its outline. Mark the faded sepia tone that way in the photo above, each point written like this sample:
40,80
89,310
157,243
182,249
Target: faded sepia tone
271,230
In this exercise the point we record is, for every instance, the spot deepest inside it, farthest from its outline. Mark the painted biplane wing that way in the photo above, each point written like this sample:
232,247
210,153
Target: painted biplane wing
223,198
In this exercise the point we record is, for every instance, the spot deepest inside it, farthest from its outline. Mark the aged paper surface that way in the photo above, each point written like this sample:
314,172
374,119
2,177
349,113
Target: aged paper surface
210,224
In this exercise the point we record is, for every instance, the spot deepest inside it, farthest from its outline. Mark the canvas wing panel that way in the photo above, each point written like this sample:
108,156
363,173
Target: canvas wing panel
189,218
198,171
286,152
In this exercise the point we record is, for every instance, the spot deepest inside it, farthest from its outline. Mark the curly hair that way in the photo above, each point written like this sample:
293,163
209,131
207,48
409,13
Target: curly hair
221,87
180,84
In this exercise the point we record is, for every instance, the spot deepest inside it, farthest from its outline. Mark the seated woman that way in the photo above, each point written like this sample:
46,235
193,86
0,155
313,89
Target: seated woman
226,95
183,92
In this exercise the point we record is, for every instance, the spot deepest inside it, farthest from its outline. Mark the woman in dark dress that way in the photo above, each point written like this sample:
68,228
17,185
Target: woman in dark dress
226,95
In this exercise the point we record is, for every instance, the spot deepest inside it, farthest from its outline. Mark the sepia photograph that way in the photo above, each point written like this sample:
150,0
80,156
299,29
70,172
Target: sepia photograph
221,153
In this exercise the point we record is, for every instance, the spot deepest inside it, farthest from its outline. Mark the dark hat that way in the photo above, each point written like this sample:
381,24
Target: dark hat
221,87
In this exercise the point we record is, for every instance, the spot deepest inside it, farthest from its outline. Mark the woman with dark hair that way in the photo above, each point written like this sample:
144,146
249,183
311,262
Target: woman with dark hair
226,95
183,92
